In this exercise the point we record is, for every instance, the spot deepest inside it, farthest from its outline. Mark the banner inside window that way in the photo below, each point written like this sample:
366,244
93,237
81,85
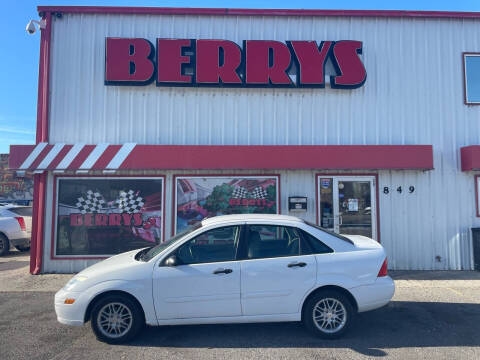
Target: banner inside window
198,197
104,217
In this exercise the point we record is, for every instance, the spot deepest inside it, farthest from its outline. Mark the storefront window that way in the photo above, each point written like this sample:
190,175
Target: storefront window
472,78
107,216
326,203
477,193
198,197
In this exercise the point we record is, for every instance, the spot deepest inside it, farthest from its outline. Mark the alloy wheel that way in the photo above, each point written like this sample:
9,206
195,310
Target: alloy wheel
114,320
329,315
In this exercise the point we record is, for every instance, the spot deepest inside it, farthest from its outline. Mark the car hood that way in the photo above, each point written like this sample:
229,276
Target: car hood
119,267
112,263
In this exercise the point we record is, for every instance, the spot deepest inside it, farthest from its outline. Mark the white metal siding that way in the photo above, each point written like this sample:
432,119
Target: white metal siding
413,95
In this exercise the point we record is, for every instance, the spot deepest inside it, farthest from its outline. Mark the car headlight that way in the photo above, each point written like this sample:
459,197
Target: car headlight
74,281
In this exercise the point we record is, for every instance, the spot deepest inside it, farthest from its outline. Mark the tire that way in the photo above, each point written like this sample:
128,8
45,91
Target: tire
22,248
4,245
114,332
326,324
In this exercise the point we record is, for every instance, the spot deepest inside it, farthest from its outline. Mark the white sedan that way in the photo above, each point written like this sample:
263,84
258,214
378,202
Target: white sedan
232,269
15,227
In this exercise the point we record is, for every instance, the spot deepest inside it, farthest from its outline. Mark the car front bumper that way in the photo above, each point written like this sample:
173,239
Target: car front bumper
70,314
374,296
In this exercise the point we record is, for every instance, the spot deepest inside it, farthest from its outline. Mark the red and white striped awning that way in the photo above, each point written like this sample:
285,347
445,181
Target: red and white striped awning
62,157
81,158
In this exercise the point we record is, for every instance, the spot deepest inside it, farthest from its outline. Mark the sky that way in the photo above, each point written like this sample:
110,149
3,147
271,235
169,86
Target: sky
20,51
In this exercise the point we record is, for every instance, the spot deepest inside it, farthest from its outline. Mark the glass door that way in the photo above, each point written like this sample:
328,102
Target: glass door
347,205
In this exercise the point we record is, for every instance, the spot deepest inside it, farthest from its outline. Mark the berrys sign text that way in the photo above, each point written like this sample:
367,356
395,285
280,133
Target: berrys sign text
261,63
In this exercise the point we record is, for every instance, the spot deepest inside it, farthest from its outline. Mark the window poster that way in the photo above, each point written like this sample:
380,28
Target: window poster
107,216
198,197
477,184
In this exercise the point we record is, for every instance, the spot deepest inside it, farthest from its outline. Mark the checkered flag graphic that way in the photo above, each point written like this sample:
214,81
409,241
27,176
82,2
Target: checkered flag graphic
239,193
129,202
92,203
258,193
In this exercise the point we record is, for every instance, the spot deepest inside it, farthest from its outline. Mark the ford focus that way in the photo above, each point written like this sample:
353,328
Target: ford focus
232,269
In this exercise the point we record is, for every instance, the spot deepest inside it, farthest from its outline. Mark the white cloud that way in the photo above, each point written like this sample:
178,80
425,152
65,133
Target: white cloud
14,130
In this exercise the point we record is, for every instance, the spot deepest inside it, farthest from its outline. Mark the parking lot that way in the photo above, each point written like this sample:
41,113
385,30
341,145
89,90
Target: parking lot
434,315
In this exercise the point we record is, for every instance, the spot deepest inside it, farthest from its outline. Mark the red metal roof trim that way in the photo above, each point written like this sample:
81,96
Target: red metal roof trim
235,157
255,12
470,157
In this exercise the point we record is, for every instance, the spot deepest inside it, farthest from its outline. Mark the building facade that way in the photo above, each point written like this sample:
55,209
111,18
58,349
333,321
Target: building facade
13,188
150,119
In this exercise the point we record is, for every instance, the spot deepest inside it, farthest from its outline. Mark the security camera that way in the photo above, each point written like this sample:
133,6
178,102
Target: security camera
31,28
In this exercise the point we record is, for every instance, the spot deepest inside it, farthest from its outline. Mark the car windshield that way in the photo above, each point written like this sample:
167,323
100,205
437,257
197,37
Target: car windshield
149,253
338,236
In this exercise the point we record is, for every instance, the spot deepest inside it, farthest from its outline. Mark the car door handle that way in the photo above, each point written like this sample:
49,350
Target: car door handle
299,264
223,271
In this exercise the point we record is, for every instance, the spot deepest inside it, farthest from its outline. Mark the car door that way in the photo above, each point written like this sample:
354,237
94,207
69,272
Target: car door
205,282
275,275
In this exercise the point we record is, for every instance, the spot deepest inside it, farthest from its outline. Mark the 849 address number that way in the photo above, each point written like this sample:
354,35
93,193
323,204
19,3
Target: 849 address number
411,189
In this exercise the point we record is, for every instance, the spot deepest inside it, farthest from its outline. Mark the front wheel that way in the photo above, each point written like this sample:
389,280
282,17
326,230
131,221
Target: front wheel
328,314
116,319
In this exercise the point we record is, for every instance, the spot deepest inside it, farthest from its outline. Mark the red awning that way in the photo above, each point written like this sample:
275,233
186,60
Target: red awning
470,157
130,156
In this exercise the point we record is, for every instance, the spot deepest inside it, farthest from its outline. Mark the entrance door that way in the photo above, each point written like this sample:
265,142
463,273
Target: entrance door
347,204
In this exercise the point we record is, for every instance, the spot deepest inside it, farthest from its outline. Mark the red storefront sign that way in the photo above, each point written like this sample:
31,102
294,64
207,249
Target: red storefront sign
260,63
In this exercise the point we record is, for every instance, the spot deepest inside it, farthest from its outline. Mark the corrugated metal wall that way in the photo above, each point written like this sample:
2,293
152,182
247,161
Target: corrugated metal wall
413,95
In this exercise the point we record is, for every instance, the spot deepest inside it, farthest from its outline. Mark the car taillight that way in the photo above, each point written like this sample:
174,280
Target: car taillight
21,222
383,269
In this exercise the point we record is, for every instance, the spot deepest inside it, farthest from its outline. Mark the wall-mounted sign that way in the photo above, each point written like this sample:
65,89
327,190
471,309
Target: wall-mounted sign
198,197
260,63
297,203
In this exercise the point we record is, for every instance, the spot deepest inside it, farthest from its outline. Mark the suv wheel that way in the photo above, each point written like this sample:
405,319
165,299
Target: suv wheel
328,314
4,245
116,319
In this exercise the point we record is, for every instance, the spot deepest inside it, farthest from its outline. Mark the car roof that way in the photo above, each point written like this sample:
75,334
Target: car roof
249,217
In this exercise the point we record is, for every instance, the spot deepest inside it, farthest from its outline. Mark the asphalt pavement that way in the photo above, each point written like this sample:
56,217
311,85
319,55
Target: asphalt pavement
434,315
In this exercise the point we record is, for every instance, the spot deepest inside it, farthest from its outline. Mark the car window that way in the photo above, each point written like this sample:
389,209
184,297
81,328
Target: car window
267,241
149,253
22,211
316,246
214,245
338,236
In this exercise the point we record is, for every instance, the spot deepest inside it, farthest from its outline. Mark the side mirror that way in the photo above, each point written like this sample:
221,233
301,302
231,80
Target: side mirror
171,261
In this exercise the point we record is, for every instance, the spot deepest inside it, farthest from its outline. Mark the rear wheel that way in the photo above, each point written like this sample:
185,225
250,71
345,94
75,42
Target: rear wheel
328,314
4,245
116,319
